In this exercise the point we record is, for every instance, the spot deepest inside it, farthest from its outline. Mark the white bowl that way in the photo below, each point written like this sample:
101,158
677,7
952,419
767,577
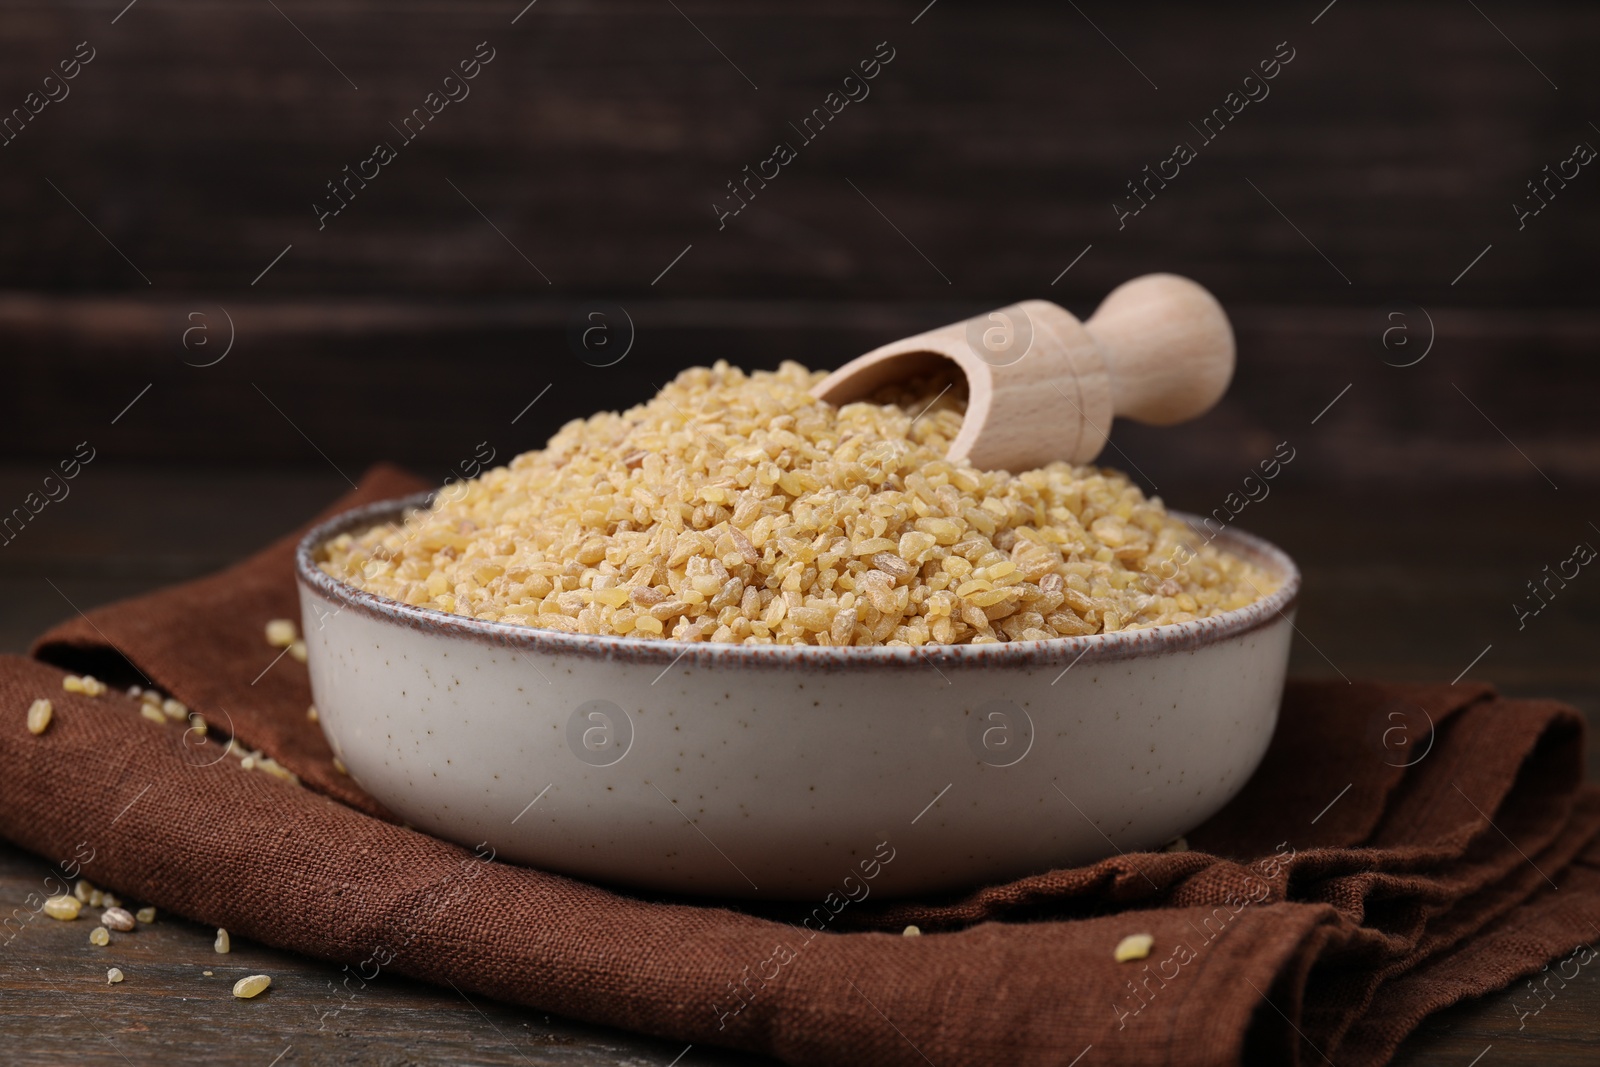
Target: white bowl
789,772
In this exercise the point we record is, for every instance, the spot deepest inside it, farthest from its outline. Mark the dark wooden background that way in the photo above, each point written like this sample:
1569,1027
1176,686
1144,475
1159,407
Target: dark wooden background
156,197
600,135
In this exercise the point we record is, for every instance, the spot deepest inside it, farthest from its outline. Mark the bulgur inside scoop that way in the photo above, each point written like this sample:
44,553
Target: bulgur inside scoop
736,507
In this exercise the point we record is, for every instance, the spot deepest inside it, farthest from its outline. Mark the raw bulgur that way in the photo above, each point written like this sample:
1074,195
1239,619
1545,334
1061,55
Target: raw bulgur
736,507
39,713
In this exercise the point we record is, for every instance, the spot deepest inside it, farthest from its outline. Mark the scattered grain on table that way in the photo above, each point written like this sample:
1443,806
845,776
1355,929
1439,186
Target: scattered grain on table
64,908
251,985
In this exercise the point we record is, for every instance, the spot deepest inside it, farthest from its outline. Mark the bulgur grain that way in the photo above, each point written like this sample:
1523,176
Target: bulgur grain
100,936
251,985
224,943
39,713
113,976
278,770
737,507
88,685
118,919
281,633
145,915
1133,947
64,908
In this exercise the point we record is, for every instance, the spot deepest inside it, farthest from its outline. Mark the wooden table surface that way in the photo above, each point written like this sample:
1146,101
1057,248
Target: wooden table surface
1398,584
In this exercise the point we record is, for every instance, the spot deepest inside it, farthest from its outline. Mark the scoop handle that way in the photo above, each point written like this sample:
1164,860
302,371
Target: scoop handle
1042,386
1168,348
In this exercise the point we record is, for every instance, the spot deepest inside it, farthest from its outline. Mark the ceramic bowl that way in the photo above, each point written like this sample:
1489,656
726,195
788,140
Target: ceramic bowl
791,772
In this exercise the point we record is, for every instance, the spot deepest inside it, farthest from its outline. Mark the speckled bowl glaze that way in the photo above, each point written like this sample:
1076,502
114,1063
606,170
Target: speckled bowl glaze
792,772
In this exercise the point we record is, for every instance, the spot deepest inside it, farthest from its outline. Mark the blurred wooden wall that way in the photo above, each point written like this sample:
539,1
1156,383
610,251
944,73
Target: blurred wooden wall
420,320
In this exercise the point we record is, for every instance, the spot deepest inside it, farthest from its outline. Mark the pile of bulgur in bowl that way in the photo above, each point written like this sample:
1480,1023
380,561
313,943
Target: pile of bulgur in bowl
738,508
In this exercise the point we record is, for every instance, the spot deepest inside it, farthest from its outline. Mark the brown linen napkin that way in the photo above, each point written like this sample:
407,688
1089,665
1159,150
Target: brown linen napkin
1336,902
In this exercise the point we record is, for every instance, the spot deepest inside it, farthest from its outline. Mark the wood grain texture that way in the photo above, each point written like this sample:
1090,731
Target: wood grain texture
981,169
59,1008
342,384
997,140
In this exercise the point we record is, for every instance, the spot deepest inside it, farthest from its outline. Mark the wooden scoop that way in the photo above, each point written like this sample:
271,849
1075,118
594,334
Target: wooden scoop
1042,386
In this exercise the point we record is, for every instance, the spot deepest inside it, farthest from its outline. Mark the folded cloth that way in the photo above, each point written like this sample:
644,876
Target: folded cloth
1400,848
